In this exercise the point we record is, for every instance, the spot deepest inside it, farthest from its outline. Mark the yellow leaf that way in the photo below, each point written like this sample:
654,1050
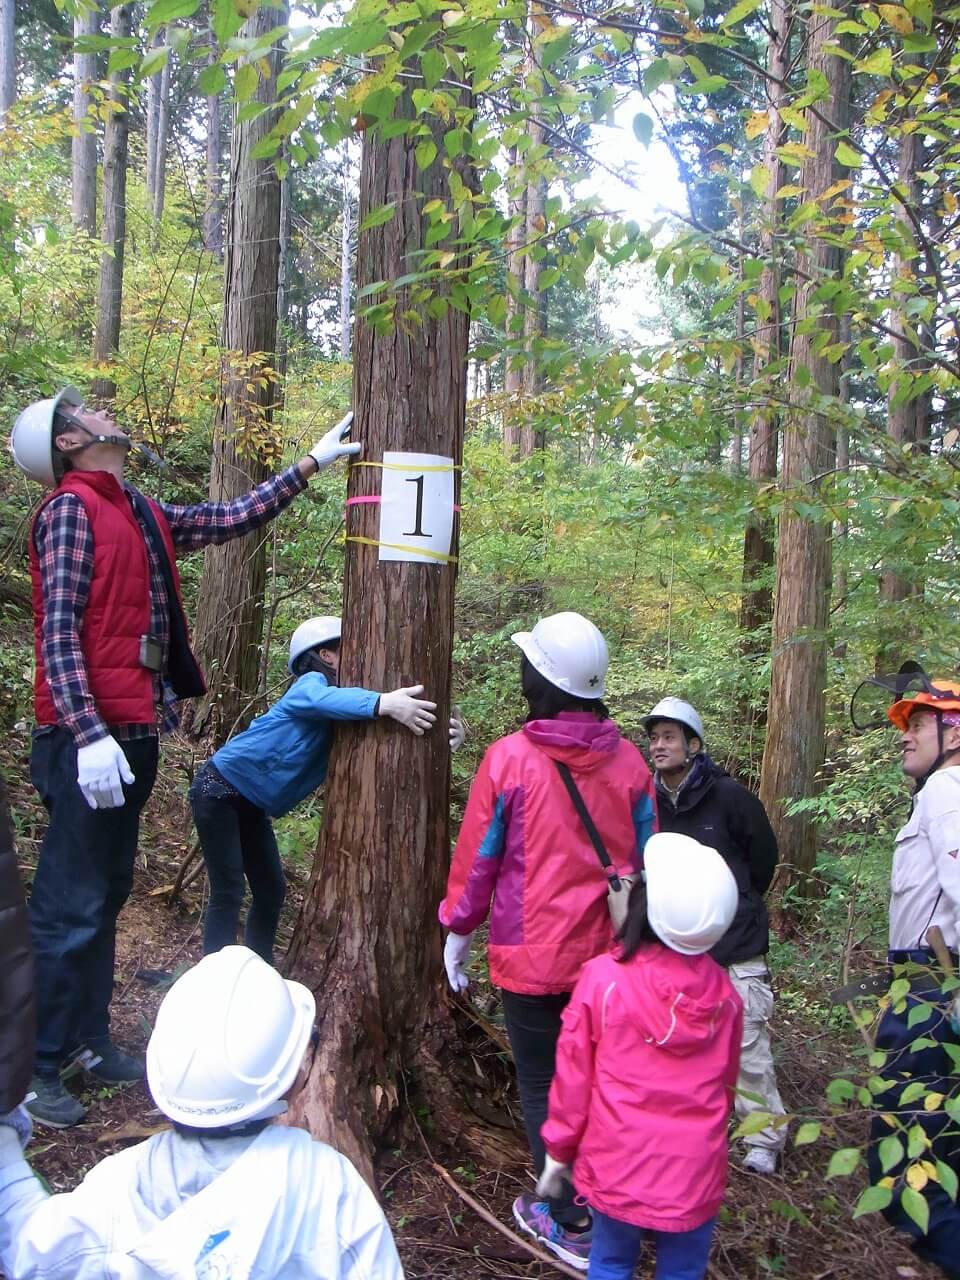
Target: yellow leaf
897,18
785,192
836,188
757,124
932,1101
916,1177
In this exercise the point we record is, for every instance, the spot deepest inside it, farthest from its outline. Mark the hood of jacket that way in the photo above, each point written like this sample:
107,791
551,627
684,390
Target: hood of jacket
675,998
577,738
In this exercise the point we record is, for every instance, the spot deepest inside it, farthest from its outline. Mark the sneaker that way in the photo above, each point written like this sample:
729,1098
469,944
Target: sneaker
760,1160
105,1062
52,1105
534,1217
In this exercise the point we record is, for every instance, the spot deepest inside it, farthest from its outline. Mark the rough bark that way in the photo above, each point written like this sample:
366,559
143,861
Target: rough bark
163,130
513,372
106,338
8,54
84,144
795,736
756,605
842,529
346,228
213,212
367,940
229,615
283,280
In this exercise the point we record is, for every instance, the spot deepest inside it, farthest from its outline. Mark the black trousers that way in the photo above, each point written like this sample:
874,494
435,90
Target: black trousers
84,876
533,1027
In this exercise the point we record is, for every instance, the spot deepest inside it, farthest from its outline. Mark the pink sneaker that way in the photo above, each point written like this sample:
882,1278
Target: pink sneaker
533,1216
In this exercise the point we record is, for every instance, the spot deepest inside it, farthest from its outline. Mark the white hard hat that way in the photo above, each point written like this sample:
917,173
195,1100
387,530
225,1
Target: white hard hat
31,441
692,895
311,633
569,651
228,1042
676,709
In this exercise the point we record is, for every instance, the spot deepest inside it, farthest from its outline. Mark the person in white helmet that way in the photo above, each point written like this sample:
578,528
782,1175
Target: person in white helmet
112,658
695,797
225,1193
646,1068
272,766
524,848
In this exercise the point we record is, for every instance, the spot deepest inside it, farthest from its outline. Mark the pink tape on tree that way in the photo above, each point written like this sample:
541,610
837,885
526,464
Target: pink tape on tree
355,502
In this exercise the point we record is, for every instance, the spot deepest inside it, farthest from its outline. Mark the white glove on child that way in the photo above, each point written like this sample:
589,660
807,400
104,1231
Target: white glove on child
458,732
102,769
405,706
19,1121
555,1174
332,446
456,953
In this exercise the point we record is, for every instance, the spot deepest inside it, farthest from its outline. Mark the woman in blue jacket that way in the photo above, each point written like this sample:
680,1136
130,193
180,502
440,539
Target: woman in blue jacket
265,771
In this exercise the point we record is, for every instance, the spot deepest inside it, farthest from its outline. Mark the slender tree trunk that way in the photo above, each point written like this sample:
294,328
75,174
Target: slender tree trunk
842,528
152,120
8,54
84,145
213,213
795,734
736,444
163,131
756,606
513,371
346,226
283,279
106,338
229,615
367,940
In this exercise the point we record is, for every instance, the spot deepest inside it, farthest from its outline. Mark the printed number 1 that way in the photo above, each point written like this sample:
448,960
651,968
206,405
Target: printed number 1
417,531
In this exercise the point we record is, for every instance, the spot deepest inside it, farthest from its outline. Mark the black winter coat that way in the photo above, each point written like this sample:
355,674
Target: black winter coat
719,812
17,1024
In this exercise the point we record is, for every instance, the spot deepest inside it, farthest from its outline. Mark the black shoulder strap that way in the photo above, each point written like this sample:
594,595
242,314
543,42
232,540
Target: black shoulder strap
573,791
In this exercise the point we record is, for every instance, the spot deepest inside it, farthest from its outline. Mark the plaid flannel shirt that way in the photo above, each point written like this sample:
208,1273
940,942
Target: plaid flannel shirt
64,542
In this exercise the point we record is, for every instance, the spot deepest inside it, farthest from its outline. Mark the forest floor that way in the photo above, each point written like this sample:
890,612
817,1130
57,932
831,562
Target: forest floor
797,1226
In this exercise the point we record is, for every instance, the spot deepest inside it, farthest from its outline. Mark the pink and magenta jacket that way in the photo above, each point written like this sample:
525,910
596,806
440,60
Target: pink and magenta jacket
523,846
646,1067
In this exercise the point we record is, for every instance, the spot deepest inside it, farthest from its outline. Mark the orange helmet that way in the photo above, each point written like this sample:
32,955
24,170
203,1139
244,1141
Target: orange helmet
940,696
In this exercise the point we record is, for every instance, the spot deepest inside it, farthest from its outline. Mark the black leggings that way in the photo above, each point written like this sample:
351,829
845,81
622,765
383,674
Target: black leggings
238,843
533,1027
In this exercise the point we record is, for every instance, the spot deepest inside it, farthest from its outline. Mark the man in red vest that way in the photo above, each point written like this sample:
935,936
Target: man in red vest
112,658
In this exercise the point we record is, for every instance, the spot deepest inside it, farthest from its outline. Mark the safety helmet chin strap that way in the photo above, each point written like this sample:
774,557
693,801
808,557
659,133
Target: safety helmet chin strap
71,423
943,754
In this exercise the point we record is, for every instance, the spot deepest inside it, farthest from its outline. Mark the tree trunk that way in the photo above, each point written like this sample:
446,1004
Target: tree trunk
795,735
8,54
756,606
153,119
84,145
346,210
530,438
513,371
213,212
106,338
367,941
230,610
163,131
842,529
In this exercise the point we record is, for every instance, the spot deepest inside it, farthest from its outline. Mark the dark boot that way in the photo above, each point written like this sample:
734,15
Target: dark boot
53,1105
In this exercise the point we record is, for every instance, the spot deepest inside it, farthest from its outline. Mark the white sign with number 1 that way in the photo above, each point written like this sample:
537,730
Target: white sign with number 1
416,507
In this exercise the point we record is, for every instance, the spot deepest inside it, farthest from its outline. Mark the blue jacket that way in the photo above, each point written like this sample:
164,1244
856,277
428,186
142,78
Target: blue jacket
283,755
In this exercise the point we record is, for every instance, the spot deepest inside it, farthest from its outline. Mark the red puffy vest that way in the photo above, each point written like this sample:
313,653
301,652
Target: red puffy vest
118,606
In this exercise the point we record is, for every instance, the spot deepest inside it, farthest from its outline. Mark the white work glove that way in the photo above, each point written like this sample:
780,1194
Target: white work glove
458,732
555,1174
405,706
456,953
955,1014
19,1121
332,446
102,769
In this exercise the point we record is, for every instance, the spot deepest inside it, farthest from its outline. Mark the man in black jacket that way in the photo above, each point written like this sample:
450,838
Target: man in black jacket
695,797
17,1021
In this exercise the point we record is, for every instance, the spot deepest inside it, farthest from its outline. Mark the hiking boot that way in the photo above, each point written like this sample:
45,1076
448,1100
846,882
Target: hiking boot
760,1160
534,1217
104,1061
53,1105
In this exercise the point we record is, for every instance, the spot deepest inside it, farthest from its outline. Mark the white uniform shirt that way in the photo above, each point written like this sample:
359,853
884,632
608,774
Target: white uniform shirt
279,1205
925,880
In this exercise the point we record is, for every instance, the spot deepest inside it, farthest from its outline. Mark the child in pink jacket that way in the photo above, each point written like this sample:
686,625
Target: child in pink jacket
646,1068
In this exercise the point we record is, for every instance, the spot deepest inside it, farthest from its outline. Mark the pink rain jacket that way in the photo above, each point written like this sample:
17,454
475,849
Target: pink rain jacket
523,846
646,1066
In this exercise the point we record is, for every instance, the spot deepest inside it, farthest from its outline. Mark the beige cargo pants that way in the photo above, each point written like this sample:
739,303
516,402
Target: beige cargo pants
751,980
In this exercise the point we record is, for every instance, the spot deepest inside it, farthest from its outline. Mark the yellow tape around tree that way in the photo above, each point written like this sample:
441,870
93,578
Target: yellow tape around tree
399,546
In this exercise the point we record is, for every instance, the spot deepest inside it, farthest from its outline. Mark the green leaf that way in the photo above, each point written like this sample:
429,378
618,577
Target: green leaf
843,1162
807,1133
740,11
154,60
550,276
947,1178
643,128
872,1199
497,310
162,11
880,63
245,82
848,156
433,65
655,75
426,153
890,1152
916,1207
377,217
212,80
226,20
